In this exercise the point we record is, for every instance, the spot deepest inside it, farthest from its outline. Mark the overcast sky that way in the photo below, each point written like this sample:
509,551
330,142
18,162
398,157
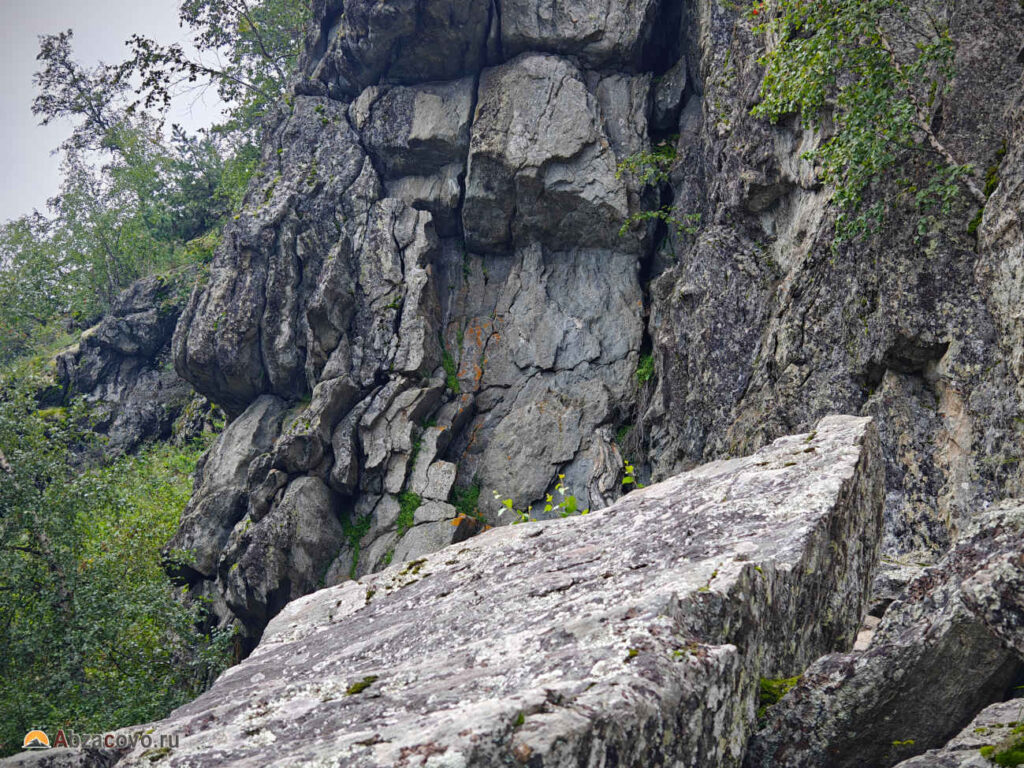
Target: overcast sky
30,171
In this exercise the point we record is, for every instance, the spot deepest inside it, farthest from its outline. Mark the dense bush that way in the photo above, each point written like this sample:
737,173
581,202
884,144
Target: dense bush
94,635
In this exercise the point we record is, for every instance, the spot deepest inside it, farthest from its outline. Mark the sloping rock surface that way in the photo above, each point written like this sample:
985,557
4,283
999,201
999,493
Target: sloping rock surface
632,636
932,664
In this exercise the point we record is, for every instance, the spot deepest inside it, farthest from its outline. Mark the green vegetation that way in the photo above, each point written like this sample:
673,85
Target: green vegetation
566,506
451,371
354,531
874,71
772,691
651,169
645,369
360,686
93,633
466,500
1010,751
408,503
138,198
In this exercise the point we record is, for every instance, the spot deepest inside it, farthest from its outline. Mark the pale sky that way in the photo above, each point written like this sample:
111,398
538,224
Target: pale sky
29,170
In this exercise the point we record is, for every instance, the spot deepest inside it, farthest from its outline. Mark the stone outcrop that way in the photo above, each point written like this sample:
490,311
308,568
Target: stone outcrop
932,664
122,367
635,635
429,278
435,244
759,329
995,729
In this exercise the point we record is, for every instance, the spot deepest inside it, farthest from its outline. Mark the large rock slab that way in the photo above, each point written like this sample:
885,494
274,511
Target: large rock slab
632,636
932,664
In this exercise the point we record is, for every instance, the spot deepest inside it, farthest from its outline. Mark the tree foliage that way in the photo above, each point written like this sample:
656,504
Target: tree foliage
93,633
246,50
136,197
870,75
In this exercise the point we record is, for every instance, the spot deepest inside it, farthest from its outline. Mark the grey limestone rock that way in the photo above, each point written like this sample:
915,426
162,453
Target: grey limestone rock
121,366
540,166
758,329
931,665
633,635
601,33
220,500
993,728
358,43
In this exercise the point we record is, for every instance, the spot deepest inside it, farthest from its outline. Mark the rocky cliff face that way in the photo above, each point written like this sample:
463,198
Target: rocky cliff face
428,292
123,368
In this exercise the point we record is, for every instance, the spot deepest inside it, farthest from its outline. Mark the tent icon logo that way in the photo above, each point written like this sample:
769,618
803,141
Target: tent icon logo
36,740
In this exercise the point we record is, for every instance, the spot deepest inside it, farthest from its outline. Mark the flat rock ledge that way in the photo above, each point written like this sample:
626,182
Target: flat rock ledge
633,636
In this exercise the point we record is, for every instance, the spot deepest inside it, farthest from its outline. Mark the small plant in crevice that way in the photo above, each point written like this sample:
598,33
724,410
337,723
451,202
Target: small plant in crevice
451,371
645,369
408,503
689,224
650,167
622,433
466,500
566,506
629,477
771,692
354,531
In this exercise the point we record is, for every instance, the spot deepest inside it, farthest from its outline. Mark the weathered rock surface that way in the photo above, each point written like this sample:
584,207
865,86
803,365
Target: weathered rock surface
635,635
993,728
931,665
758,330
122,367
437,229
995,594
428,273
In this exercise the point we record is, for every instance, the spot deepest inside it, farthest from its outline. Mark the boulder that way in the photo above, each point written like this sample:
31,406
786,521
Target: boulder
997,728
930,666
632,636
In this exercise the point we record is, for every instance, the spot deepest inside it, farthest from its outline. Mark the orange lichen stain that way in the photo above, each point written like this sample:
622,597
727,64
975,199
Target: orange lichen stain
472,438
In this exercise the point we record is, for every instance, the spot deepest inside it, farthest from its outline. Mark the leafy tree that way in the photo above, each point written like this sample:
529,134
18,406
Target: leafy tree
94,99
94,636
248,51
32,285
870,74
